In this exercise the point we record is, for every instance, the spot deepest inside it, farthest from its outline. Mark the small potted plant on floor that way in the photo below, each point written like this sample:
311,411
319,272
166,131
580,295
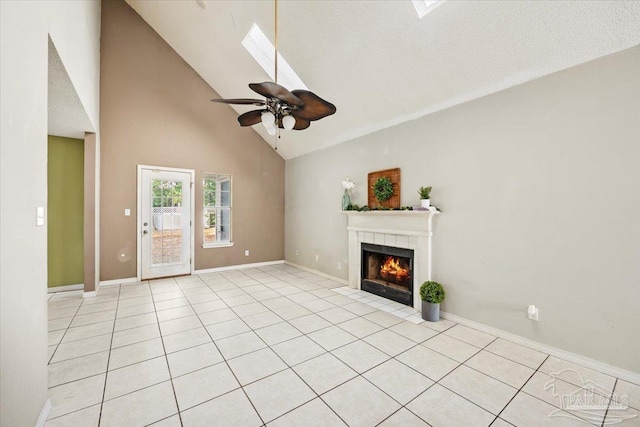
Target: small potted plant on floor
424,193
432,294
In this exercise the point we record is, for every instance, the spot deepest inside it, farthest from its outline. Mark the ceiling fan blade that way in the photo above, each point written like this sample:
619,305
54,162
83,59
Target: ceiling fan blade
314,108
250,118
300,124
240,101
274,90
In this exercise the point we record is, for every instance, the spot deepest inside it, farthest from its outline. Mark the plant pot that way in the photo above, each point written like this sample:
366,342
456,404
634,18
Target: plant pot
430,311
425,203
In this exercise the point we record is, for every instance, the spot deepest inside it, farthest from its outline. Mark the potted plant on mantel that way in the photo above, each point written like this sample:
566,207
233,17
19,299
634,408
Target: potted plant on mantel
424,193
432,294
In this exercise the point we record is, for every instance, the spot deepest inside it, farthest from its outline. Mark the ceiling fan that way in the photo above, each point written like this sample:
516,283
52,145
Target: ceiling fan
283,109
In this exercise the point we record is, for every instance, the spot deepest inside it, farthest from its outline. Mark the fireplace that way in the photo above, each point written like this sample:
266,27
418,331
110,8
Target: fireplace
388,272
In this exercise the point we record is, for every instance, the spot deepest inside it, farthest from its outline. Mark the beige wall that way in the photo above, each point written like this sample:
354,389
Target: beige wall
74,28
540,191
155,110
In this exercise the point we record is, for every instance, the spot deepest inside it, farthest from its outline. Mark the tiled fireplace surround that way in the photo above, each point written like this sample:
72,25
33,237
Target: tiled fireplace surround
400,229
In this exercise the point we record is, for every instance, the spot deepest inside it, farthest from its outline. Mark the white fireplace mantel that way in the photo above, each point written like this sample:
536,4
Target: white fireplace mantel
400,229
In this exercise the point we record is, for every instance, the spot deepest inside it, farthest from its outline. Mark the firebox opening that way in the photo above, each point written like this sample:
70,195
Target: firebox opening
388,272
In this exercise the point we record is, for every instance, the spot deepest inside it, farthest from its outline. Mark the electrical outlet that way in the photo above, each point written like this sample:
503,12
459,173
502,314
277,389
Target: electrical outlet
246,253
317,258
297,253
532,312
339,266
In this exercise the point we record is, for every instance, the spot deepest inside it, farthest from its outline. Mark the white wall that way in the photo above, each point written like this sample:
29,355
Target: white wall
540,191
74,27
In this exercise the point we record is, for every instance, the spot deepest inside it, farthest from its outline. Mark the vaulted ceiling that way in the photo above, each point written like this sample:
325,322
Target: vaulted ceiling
378,62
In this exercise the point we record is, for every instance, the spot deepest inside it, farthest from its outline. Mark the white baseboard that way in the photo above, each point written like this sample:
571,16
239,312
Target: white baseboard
319,273
578,359
118,281
44,414
65,288
237,267
89,294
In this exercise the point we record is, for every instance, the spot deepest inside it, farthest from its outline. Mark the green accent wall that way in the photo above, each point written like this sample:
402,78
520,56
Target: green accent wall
65,211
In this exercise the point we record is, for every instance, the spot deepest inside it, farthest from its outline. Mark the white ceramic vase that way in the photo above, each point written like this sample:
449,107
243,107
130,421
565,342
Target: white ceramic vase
425,203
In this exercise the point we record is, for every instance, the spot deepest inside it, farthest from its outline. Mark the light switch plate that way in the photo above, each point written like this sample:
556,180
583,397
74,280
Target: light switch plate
39,216
127,212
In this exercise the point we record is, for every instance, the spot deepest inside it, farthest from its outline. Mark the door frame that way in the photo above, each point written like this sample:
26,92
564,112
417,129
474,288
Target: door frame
192,173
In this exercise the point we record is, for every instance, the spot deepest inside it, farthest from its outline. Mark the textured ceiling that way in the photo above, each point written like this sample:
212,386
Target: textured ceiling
67,116
381,65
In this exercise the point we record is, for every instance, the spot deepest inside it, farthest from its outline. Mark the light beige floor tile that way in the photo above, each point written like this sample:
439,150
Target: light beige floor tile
179,325
291,312
76,395
324,372
262,320
172,303
297,350
205,384
65,303
82,347
87,417
141,407
135,335
398,380
359,308
50,350
231,409
360,356
428,362
339,300
470,336
412,331
130,302
403,418
576,374
441,407
337,315
278,394
165,296
500,368
527,411
440,326
451,347
632,392
257,365
331,338
317,305
60,313
239,344
309,323
192,359
383,319
135,377
207,306
172,421
481,389
88,331
278,333
77,368
135,310
389,342
97,308
629,417
280,302
499,422
175,313
266,295
59,324
87,319
217,316
134,353
523,355
238,300
227,329
359,403
135,321
360,327
186,339
54,337
314,413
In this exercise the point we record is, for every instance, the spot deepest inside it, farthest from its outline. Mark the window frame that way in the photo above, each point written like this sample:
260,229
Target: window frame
206,209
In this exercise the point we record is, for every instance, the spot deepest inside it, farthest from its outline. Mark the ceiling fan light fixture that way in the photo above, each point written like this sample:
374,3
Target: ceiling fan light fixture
271,130
268,119
288,122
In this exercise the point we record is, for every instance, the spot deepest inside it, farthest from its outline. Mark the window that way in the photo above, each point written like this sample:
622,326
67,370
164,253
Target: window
217,210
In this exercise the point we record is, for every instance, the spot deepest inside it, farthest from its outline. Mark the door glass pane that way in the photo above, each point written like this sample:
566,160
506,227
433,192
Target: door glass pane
167,222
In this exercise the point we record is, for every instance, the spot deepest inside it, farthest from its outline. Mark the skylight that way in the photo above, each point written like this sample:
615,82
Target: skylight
425,6
259,46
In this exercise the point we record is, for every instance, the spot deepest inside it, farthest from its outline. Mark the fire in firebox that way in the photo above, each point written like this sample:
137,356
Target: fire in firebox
392,269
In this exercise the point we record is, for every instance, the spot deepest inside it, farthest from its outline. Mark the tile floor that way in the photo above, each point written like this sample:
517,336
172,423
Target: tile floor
279,346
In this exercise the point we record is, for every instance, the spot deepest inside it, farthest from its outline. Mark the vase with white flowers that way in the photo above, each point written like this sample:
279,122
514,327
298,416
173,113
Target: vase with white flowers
347,184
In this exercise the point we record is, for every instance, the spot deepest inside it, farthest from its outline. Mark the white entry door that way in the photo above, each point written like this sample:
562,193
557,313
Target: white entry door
165,228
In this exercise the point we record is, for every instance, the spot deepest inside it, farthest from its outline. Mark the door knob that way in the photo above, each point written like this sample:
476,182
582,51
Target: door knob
145,232
145,224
